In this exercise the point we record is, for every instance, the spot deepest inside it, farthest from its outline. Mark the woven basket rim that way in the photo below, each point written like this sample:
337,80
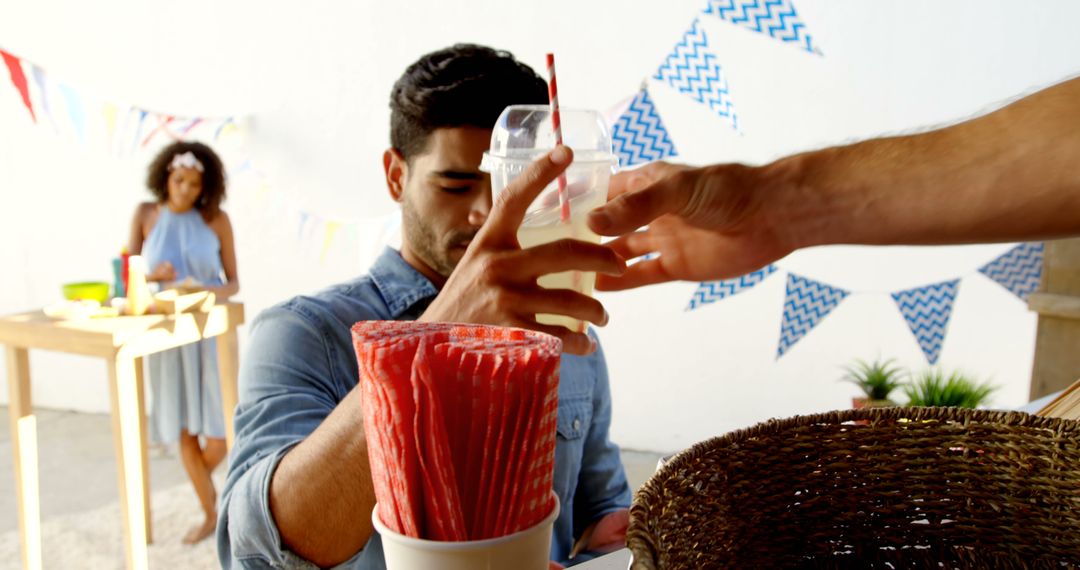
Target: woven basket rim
773,426
638,540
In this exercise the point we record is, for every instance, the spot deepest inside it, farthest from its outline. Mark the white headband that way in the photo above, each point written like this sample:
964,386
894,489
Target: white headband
186,160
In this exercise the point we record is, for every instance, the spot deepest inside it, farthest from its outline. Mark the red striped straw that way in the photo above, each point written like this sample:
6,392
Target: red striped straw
556,125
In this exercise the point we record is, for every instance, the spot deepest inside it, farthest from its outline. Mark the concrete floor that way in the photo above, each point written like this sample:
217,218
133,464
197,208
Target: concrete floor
78,468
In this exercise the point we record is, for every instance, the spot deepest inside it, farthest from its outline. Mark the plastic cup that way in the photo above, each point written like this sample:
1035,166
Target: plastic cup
524,550
522,134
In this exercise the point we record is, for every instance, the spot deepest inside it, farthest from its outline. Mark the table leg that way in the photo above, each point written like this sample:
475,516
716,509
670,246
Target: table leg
228,370
140,399
127,423
24,446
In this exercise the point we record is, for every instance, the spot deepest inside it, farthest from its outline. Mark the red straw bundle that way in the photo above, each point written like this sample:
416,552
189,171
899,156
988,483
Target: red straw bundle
460,425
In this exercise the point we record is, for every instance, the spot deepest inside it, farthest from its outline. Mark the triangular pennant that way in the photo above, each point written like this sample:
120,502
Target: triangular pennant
329,231
774,18
138,126
927,311
46,94
303,224
713,291
806,303
1019,270
693,70
18,79
639,135
163,127
74,109
226,126
109,111
191,125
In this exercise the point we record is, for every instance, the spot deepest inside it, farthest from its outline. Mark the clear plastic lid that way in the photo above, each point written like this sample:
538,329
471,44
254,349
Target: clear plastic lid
524,132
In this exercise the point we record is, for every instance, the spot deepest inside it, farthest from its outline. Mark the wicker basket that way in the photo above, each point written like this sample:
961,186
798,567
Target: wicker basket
909,488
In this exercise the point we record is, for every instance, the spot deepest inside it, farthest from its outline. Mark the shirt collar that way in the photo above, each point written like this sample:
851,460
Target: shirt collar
399,283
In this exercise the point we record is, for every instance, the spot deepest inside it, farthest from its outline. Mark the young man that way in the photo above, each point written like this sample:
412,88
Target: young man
299,489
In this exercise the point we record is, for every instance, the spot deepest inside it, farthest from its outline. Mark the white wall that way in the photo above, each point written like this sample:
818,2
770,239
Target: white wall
313,83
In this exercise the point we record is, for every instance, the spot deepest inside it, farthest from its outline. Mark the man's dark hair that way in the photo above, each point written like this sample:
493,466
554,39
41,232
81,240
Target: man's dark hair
213,176
465,85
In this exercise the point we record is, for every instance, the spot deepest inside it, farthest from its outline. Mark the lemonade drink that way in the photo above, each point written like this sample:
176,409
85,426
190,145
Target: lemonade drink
524,133
544,226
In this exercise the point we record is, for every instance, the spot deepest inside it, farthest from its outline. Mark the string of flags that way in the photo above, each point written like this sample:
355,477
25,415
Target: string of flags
926,309
125,128
315,233
693,68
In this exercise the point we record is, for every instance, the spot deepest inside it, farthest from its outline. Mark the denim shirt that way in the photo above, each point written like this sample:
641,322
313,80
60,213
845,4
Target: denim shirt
300,363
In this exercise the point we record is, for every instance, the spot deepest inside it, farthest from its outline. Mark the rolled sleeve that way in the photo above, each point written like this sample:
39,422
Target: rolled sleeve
602,486
253,537
288,388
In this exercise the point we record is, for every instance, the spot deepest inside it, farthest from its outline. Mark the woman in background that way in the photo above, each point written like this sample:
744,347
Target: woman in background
186,237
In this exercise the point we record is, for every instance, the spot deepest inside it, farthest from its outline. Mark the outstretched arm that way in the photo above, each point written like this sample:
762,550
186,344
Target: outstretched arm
1013,174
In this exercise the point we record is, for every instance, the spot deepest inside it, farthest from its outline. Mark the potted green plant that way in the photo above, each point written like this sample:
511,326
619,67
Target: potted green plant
935,388
876,379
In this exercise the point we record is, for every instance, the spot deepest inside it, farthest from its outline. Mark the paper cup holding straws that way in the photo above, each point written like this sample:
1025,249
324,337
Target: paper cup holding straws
460,426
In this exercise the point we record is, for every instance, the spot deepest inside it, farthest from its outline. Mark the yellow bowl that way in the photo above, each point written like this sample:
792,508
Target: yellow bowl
87,291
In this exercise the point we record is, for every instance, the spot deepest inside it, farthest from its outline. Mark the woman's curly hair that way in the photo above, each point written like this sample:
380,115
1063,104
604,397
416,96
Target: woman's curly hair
213,176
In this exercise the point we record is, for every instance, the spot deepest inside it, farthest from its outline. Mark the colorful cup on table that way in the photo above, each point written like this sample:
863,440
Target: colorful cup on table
523,134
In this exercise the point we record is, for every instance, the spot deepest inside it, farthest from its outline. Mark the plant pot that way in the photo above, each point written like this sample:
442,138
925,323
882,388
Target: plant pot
860,403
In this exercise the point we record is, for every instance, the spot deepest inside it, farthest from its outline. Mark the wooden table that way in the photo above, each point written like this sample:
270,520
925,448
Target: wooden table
122,342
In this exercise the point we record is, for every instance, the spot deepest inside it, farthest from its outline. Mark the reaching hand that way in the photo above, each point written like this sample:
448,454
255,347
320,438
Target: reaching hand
705,223
610,532
164,272
495,282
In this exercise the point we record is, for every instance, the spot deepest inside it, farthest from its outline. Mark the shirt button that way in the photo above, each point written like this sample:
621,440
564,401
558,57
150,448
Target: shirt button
577,424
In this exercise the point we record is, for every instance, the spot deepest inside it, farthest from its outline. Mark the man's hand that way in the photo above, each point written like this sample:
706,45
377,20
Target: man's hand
605,535
495,282
705,223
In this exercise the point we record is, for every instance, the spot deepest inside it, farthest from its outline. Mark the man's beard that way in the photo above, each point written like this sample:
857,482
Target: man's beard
441,258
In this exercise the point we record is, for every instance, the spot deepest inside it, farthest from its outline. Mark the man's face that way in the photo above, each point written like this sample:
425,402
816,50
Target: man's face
444,198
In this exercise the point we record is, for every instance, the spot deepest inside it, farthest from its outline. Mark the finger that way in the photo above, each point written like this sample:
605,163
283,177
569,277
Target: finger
564,255
643,273
564,302
632,245
572,342
632,210
510,205
633,180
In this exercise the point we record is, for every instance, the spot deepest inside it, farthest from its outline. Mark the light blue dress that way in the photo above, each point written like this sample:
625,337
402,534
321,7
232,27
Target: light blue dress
184,380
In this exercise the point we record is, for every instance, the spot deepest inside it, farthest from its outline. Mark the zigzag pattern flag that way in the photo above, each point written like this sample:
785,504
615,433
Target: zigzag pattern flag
639,134
806,303
691,69
927,310
1019,270
713,291
774,18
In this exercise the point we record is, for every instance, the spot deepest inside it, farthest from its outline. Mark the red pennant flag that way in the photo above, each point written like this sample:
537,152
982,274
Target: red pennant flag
18,78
